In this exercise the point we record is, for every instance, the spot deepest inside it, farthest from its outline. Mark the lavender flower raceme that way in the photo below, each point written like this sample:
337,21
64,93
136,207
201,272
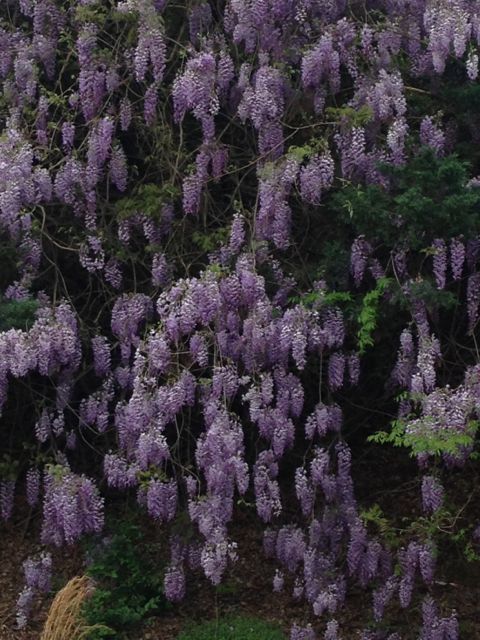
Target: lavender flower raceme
125,114
473,299
440,262
101,355
195,90
174,583
472,66
457,257
118,168
33,486
72,507
336,368
432,136
432,494
302,633
162,500
332,630
316,177
38,573
361,250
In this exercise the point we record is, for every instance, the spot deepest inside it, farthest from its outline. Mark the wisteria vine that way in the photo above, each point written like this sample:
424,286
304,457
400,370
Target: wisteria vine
161,166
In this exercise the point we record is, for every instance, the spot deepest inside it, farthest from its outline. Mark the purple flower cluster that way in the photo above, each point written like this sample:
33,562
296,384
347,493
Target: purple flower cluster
210,163
150,51
360,252
302,633
444,413
37,575
127,315
431,135
316,177
432,494
440,262
473,300
17,187
101,356
274,213
51,346
33,480
263,102
161,498
437,628
72,507
196,90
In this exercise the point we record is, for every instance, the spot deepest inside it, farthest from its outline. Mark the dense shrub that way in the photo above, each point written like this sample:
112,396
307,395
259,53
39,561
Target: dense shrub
128,582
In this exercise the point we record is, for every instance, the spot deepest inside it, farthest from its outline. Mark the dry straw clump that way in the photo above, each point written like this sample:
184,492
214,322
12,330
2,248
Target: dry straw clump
65,620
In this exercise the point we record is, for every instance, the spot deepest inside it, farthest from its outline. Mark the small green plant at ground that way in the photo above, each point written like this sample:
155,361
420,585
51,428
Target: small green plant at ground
240,628
129,586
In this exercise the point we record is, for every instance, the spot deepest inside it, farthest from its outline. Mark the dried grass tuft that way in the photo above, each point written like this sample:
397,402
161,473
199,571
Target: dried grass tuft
65,620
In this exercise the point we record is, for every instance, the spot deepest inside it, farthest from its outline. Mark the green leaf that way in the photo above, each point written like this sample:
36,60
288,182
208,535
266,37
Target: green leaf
368,316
